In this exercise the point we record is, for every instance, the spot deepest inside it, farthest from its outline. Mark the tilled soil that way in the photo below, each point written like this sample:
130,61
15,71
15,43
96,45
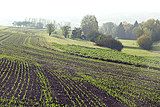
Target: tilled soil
56,79
23,82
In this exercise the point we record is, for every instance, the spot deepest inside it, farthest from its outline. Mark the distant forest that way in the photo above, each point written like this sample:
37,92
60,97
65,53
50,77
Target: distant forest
33,23
122,31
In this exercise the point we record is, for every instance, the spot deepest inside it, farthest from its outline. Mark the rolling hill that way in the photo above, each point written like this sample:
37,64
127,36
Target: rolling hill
35,73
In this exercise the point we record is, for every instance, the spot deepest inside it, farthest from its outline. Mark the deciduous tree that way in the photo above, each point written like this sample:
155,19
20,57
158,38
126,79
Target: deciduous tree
107,28
92,35
50,28
76,33
89,23
139,32
120,32
65,30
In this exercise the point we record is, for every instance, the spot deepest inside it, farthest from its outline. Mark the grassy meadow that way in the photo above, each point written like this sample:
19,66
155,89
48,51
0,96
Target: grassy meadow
60,39
131,52
34,73
132,48
3,27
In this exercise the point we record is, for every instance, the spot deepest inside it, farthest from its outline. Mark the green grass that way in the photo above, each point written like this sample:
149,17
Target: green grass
132,48
60,39
150,58
106,54
156,47
3,27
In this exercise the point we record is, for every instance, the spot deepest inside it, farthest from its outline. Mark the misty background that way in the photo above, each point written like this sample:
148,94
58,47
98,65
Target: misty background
73,11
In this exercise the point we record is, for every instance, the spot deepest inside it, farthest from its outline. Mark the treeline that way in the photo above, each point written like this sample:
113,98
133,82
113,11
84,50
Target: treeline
50,25
123,31
34,23
145,33
89,30
128,31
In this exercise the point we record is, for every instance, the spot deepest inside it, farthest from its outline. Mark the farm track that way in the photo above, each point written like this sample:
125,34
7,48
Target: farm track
65,80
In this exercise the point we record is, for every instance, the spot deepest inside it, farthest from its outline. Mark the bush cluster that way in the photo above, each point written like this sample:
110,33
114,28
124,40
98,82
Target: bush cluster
108,41
103,40
92,35
145,42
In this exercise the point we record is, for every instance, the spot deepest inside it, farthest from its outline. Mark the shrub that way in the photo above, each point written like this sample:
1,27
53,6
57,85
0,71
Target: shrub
55,32
116,45
103,40
92,35
109,42
145,42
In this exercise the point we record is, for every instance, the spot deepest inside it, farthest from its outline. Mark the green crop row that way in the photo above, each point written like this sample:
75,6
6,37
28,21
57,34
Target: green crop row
105,54
45,77
17,82
73,90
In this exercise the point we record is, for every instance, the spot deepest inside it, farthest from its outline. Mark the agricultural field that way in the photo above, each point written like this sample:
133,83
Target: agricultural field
34,73
108,54
131,47
131,53
3,27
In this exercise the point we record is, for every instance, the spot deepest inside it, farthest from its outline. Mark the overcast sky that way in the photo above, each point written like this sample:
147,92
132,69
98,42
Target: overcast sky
39,8
63,10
